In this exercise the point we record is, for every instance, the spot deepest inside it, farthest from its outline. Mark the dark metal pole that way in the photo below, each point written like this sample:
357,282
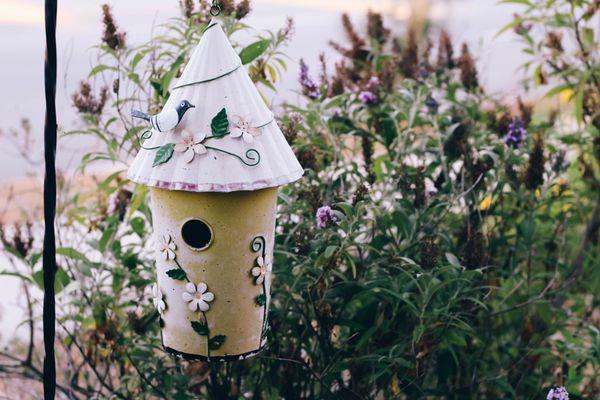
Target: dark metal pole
49,260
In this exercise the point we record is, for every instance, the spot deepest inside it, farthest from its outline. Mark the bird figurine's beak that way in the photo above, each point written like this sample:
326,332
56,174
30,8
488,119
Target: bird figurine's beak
192,106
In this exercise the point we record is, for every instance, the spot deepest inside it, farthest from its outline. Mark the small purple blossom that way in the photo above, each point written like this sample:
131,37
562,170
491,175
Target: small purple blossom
368,98
373,84
422,72
370,94
559,393
309,87
516,133
432,104
325,217
296,118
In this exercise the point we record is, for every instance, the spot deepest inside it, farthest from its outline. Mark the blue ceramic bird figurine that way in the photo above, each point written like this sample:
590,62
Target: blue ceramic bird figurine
166,120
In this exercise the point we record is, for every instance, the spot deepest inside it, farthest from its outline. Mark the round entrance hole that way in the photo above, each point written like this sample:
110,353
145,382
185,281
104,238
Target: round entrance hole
197,234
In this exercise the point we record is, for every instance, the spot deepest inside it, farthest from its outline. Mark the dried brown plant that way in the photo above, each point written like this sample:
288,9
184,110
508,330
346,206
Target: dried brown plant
468,70
242,9
111,36
534,175
409,58
86,102
445,59
375,28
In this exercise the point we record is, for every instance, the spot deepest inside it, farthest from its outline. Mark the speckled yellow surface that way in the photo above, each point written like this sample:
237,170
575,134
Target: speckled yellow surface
236,219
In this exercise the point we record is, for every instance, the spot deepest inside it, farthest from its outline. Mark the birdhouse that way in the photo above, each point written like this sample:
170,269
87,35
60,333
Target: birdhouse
213,160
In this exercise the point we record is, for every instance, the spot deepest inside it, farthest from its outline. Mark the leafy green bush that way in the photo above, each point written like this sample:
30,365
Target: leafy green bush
456,261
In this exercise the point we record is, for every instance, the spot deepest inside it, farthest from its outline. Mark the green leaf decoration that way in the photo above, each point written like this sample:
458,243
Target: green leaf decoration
178,274
164,154
253,51
200,328
261,299
216,342
220,124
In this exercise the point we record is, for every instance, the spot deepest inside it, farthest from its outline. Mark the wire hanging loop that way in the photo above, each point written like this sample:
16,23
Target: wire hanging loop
215,8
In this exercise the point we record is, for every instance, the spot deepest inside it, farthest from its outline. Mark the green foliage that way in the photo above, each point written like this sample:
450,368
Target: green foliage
253,51
572,68
457,266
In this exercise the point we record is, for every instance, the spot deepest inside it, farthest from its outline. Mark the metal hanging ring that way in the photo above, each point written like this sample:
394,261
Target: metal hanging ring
215,9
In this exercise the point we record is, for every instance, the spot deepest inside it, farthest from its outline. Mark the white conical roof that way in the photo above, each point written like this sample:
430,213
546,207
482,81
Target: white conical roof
213,80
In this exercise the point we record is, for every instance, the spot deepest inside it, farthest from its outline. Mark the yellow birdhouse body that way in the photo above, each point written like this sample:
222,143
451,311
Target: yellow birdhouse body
241,227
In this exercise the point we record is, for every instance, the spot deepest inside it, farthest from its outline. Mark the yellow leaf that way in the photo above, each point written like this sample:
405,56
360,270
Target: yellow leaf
538,193
486,203
396,386
566,208
566,95
104,352
272,73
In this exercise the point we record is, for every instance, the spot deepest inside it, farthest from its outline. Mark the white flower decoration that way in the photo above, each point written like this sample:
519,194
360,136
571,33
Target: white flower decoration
243,128
197,296
158,300
191,146
167,247
264,267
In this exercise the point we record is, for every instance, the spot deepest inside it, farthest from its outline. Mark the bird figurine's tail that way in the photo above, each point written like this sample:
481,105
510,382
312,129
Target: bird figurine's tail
140,115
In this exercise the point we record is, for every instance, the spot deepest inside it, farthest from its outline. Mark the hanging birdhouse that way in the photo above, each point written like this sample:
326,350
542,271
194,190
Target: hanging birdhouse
214,159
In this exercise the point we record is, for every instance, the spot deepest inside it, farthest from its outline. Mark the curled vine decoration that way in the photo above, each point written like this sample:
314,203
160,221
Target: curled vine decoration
146,135
258,244
254,159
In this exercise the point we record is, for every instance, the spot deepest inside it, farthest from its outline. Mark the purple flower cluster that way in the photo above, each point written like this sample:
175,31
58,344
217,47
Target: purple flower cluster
309,87
558,394
325,217
370,96
516,133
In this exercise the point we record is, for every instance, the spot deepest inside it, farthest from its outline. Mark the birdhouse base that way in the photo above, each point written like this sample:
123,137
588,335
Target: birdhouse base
194,357
214,271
